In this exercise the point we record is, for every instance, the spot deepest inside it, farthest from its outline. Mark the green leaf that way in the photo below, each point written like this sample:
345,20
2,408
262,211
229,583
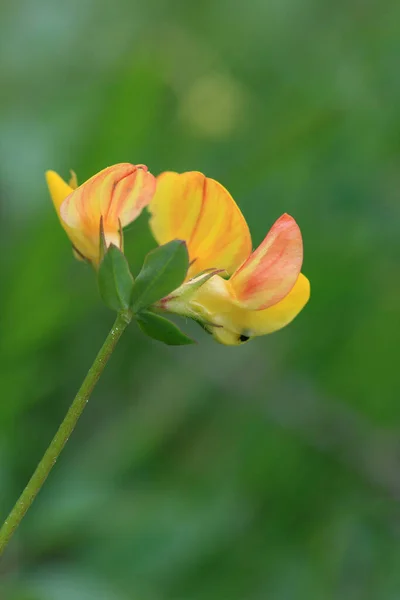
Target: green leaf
115,279
163,271
162,330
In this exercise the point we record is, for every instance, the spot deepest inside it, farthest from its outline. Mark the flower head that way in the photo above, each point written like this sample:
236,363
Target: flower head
104,204
265,289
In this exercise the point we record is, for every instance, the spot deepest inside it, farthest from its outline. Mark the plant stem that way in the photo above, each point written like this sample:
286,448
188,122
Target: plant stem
66,428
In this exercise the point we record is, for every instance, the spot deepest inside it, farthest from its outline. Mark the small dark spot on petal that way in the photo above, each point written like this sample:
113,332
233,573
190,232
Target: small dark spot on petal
244,338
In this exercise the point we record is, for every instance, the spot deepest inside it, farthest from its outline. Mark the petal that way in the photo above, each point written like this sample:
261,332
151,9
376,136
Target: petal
199,210
214,305
131,195
272,270
221,238
117,193
58,189
261,322
176,206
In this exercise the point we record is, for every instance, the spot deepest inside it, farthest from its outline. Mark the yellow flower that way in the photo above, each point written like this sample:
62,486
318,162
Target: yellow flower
111,199
265,290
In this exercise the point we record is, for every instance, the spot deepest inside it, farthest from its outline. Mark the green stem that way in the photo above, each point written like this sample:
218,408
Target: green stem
66,428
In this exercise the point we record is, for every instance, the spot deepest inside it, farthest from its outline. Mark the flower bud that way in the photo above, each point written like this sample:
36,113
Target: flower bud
101,206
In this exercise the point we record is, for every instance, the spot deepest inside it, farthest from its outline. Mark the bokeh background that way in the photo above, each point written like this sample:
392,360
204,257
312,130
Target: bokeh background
265,472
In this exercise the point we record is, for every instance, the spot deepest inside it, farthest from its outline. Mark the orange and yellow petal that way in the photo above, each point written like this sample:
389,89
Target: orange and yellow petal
117,195
215,306
199,210
272,270
131,195
261,322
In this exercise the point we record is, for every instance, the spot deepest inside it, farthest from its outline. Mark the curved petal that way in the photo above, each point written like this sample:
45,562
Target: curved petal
176,205
116,193
231,325
272,270
130,196
261,322
199,210
58,189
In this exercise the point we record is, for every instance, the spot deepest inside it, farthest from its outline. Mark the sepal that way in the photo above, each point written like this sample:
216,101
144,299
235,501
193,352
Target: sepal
179,301
164,270
162,329
115,279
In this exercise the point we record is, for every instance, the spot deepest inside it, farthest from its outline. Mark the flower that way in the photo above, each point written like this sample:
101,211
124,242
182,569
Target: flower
265,290
105,203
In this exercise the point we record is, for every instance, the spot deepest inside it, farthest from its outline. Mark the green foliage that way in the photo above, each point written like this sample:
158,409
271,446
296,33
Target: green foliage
164,269
162,329
115,279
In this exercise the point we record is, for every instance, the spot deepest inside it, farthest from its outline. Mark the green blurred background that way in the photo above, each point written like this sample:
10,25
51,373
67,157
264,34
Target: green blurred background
265,472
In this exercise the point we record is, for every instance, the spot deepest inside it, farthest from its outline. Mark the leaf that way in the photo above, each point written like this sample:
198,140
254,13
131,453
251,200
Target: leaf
163,271
115,279
162,330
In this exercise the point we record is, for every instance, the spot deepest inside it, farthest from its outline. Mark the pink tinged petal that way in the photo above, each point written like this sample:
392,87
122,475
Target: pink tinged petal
261,322
250,323
272,270
214,304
